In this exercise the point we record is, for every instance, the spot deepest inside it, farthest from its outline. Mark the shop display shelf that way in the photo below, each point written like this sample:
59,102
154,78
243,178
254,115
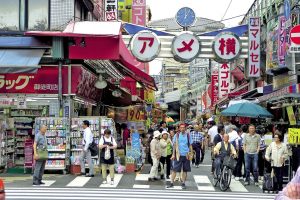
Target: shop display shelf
54,167
10,152
56,158
56,150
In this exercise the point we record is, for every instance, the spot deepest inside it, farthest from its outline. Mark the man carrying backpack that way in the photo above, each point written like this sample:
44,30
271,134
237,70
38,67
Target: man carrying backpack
182,155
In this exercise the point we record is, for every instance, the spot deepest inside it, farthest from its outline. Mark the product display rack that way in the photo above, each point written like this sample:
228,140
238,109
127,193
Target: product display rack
97,125
58,143
24,120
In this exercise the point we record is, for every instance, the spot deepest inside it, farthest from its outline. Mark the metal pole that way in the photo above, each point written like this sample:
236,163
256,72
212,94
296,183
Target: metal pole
163,81
60,88
252,83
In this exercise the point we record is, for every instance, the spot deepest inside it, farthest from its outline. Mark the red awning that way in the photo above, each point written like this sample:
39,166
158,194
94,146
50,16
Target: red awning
129,61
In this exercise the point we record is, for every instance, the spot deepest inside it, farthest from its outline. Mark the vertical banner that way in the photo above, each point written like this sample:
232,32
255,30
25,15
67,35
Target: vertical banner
111,10
281,52
224,80
214,84
139,12
291,115
254,47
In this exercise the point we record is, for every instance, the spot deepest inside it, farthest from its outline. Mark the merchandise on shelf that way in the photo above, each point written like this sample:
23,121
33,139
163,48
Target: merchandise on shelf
57,141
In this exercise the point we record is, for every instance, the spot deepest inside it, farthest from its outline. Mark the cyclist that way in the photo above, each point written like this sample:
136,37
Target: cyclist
221,150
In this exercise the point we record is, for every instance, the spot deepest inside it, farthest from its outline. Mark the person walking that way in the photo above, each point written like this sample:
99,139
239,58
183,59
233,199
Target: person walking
277,153
86,153
262,150
198,143
251,149
40,143
107,144
166,154
181,155
240,156
155,155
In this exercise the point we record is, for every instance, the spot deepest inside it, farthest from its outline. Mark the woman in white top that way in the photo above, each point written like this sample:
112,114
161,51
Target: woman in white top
277,153
166,154
107,143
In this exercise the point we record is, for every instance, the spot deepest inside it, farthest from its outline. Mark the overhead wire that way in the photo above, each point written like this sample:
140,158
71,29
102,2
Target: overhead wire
226,10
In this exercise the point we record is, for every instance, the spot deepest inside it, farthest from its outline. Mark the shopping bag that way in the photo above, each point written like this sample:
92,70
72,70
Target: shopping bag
107,154
93,147
230,162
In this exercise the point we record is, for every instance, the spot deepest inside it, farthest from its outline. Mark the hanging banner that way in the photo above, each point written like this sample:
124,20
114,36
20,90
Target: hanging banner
254,47
294,136
281,42
224,80
149,96
214,84
291,115
111,10
139,12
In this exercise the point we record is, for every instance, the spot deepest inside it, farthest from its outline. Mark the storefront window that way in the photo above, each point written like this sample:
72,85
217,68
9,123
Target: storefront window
38,15
9,15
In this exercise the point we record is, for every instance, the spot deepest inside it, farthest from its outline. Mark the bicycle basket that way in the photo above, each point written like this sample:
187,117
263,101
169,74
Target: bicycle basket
230,162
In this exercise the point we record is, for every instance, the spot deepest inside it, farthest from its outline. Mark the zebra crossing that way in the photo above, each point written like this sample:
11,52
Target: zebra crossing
124,194
136,181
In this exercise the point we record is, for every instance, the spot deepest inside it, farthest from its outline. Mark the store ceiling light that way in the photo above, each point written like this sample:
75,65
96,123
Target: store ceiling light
117,93
100,83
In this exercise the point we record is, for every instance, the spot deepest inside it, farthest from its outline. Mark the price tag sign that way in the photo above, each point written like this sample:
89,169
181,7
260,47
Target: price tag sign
135,114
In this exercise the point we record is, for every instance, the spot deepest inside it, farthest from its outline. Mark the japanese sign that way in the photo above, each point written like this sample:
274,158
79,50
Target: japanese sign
6,102
111,10
186,47
226,47
224,80
149,96
281,42
254,47
294,136
291,115
145,46
214,85
98,10
139,12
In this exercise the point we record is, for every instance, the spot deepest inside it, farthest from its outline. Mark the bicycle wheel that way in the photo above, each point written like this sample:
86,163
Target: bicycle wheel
225,178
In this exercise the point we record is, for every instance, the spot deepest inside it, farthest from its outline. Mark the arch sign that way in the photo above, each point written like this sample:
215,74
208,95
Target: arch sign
146,46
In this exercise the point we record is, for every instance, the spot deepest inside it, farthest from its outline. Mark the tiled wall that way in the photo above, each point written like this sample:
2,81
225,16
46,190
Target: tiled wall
62,11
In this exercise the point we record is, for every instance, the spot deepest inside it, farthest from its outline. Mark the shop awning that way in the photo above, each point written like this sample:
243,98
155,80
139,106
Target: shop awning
20,60
130,66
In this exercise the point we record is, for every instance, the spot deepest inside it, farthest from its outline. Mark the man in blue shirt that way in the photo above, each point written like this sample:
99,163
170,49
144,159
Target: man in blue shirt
182,147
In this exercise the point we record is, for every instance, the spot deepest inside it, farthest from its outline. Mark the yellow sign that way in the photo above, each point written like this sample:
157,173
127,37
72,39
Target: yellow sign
291,115
125,10
149,96
135,114
294,136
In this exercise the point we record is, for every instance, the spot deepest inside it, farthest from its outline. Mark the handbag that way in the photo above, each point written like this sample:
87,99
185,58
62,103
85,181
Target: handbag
230,162
42,154
93,147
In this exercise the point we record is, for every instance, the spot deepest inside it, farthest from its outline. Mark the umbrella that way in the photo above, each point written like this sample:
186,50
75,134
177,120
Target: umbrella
247,109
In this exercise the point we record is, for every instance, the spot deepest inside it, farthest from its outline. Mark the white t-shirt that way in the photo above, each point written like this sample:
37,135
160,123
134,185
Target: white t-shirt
87,138
108,140
233,135
212,132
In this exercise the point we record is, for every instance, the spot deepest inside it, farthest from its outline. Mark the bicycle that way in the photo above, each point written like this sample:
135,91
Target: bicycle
224,179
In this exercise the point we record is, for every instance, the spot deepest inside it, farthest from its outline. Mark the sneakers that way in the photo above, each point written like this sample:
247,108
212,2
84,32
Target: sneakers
36,184
92,175
104,182
171,185
112,182
42,183
151,179
256,184
183,186
246,183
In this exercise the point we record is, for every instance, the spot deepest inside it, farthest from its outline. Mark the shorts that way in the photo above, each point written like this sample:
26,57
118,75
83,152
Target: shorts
183,163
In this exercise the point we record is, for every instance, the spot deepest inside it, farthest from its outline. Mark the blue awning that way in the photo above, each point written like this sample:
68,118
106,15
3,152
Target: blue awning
20,60
22,42
238,30
132,29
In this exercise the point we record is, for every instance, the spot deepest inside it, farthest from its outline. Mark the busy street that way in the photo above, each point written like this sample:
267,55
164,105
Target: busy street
149,99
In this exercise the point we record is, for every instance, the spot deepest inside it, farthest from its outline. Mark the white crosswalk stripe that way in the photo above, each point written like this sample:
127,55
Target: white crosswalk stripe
117,179
79,181
203,183
124,194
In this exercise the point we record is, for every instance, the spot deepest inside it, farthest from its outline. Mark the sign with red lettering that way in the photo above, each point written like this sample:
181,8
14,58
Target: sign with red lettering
224,80
214,85
281,51
111,10
186,47
254,47
145,46
139,12
226,47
